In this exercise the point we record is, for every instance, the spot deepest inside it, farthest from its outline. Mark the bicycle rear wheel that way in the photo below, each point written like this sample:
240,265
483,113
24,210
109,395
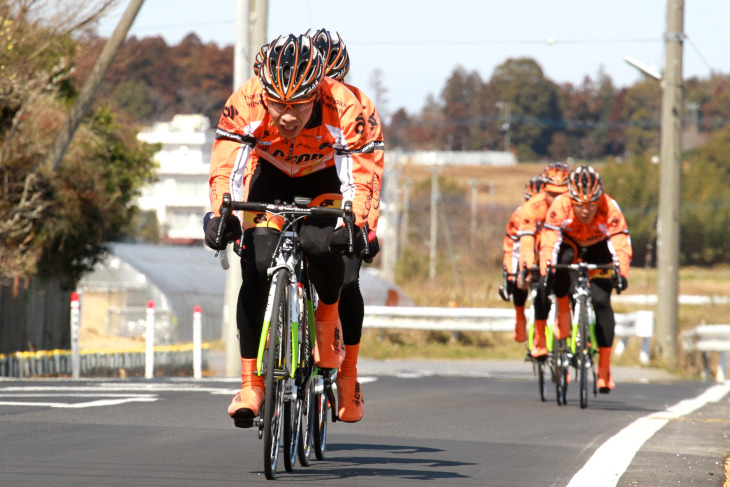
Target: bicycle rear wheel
306,426
292,422
561,372
274,362
541,382
322,409
306,387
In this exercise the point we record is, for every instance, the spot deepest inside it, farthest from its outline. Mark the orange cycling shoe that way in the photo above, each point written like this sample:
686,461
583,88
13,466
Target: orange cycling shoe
246,403
350,403
329,349
520,333
563,328
605,383
539,347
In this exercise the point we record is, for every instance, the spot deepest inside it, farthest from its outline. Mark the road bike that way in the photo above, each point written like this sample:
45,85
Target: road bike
581,345
553,364
298,394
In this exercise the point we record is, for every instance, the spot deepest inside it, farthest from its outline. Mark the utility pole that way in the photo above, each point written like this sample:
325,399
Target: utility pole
91,86
670,187
506,115
435,197
259,22
474,183
242,58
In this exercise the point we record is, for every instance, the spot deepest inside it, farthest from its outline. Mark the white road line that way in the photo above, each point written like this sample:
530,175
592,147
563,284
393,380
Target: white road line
79,405
610,461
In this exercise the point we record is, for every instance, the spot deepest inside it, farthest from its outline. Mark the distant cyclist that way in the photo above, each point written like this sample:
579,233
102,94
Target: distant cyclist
287,132
352,309
511,249
587,225
530,220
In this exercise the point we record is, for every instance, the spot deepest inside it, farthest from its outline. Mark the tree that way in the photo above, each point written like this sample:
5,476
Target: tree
55,224
642,111
535,105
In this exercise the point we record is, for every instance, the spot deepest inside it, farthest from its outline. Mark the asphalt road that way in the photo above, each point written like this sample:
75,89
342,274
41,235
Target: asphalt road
471,423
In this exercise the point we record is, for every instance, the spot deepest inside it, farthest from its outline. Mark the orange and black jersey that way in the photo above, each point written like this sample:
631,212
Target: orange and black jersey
608,224
337,134
373,134
529,220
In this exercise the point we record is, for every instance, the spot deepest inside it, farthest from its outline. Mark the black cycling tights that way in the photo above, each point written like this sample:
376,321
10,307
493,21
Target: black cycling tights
352,307
326,271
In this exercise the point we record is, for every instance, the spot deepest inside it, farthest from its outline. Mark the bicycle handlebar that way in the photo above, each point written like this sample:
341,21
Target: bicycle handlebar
585,267
227,206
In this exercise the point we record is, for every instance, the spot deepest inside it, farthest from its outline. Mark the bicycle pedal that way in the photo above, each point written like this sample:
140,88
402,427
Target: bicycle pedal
245,422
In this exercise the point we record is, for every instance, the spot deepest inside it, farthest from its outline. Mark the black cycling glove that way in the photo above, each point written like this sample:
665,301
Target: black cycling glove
619,282
339,242
231,232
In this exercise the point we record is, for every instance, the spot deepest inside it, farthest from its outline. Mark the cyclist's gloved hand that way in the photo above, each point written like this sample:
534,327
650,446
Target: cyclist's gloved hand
506,290
339,242
373,247
231,232
619,282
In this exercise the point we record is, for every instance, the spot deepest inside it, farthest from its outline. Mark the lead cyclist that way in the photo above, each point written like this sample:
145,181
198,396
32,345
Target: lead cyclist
586,224
287,132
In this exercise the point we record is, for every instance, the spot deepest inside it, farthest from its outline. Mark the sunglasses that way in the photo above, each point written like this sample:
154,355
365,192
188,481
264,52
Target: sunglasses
586,206
297,106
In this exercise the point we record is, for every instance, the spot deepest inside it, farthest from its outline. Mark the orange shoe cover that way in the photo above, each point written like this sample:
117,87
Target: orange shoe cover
539,347
605,383
520,333
247,402
329,349
563,328
350,403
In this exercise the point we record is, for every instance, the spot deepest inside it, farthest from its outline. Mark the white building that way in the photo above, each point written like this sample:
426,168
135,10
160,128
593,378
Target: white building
180,196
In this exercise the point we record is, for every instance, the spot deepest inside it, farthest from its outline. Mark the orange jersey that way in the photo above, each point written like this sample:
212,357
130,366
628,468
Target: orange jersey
609,223
373,133
338,134
529,220
511,244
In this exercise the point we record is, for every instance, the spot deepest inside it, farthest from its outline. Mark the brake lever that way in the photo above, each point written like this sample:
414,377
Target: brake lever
349,223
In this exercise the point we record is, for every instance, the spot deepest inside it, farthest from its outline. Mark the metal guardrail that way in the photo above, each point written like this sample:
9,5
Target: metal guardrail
708,339
636,324
169,360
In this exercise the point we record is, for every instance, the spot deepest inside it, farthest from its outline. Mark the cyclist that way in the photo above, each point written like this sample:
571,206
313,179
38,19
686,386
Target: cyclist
586,224
511,258
290,132
350,400
530,220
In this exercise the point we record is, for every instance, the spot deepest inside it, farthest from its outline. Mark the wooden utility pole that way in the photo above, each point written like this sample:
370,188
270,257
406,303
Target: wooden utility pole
88,92
670,186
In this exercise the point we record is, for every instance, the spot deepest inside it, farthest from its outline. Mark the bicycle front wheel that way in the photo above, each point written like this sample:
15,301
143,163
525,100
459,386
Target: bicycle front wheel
274,365
584,359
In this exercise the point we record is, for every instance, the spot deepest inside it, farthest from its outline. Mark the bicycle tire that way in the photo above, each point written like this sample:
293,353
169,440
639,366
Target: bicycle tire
322,410
306,426
274,386
306,391
541,380
583,353
292,432
561,373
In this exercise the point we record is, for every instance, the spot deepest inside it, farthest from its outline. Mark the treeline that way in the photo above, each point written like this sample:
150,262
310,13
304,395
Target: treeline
517,106
616,128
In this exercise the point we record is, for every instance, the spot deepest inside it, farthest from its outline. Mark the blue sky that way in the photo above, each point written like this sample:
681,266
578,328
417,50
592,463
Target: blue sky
418,43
